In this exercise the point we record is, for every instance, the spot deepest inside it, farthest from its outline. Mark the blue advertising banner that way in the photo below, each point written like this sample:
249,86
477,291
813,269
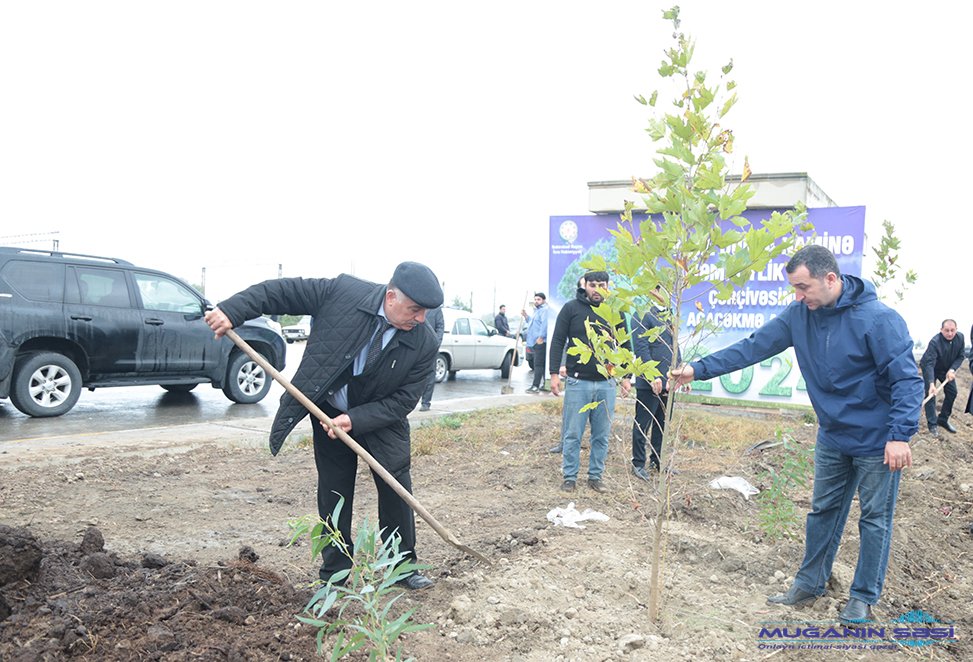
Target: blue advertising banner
574,239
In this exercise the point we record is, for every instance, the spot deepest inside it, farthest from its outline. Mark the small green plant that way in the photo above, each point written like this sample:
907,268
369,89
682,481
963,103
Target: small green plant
452,421
363,596
779,517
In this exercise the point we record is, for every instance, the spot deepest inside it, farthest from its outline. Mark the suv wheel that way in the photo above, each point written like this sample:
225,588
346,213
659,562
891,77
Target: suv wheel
45,384
246,382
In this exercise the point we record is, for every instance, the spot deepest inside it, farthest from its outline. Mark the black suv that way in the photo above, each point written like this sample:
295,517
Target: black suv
72,321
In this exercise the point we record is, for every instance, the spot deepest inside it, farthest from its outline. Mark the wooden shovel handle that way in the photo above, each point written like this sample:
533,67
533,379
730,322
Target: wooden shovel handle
355,446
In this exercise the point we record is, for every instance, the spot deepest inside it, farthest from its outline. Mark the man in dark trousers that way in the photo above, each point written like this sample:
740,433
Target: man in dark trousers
855,354
501,322
366,362
651,398
939,362
585,385
434,318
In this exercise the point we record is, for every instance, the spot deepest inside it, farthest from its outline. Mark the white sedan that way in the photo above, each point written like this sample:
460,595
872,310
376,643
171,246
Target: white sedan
470,344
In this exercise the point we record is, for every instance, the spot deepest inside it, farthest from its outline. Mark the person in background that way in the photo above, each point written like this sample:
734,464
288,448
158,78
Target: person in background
855,355
585,385
434,318
651,398
366,363
537,339
943,356
501,322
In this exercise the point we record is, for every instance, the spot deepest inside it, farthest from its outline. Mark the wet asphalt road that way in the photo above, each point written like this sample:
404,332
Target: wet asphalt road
142,407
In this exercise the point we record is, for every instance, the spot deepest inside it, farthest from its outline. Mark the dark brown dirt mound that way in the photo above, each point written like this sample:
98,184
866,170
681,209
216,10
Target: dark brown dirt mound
88,603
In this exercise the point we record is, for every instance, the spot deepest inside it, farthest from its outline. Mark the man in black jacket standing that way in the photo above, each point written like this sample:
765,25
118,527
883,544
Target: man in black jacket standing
366,362
939,362
651,398
500,321
585,385
434,318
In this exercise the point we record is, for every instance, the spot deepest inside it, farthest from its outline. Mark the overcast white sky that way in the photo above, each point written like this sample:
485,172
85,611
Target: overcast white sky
332,137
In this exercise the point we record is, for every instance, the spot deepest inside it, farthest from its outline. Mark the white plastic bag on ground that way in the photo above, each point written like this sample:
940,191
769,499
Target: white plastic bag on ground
734,483
570,516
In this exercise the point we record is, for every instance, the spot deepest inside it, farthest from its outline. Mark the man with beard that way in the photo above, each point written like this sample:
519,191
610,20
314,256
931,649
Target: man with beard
584,385
855,355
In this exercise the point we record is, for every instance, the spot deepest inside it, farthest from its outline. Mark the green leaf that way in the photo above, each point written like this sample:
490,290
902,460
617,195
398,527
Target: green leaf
728,105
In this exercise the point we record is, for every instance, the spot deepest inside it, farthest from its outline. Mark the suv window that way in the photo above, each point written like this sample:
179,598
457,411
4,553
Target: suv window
36,281
103,287
159,293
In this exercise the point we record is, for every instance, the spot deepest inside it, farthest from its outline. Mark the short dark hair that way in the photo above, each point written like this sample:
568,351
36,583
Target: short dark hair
502,305
541,295
818,260
948,320
596,277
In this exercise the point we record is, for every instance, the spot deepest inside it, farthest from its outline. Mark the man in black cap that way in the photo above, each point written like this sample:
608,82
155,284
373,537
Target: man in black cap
365,365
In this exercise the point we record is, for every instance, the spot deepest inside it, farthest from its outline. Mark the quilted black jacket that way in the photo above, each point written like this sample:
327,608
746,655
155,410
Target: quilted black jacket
345,311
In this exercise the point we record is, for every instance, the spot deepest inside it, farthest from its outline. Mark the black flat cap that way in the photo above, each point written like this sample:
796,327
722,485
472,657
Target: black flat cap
419,283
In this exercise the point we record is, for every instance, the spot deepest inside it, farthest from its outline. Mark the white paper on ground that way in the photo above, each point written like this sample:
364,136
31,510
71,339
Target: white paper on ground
734,483
569,516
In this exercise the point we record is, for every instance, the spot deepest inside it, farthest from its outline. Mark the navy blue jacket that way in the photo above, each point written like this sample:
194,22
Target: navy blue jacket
856,359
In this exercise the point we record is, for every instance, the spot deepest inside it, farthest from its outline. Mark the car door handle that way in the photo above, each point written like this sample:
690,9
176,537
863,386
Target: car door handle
154,321
81,318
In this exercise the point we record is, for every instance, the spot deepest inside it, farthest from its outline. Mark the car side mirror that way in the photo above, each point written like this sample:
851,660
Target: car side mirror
491,332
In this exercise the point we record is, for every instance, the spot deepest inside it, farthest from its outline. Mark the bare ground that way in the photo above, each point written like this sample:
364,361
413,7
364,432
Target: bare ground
195,563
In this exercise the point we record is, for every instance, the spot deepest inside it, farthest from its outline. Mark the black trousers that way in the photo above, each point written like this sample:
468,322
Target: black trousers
949,395
650,422
539,351
430,387
337,466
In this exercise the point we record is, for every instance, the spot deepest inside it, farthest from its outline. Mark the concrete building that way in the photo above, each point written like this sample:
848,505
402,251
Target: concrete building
772,191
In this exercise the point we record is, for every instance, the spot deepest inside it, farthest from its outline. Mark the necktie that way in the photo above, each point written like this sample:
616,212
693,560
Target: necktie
375,349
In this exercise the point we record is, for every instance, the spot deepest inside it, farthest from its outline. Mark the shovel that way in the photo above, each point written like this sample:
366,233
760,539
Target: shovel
355,446
933,395
507,388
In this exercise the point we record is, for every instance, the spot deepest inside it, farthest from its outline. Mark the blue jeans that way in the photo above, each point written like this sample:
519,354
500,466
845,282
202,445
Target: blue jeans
577,394
836,479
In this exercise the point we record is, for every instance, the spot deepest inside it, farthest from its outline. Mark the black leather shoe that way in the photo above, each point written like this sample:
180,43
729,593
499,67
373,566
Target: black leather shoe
855,611
794,597
934,429
567,486
949,426
415,582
